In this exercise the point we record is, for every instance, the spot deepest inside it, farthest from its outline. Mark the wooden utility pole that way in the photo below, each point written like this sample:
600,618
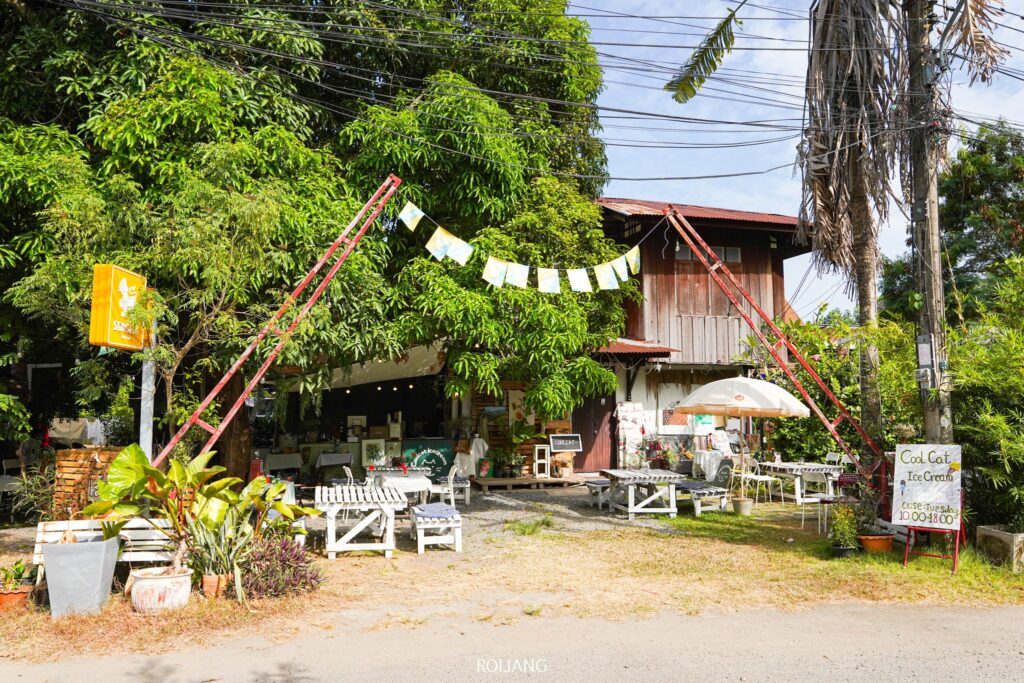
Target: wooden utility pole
938,419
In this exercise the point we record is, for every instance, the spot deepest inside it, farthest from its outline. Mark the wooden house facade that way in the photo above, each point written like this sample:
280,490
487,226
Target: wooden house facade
686,332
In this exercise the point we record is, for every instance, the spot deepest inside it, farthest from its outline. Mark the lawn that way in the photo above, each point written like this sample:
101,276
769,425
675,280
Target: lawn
537,560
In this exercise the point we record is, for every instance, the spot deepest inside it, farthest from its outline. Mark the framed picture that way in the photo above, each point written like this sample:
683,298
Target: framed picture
373,451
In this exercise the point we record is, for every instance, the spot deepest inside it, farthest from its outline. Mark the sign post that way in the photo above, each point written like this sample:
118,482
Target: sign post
927,494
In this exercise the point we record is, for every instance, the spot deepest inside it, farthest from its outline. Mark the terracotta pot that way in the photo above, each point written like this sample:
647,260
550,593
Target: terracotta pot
877,544
214,585
15,597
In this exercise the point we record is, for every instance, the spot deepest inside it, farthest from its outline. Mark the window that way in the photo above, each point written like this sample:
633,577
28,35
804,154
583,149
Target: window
725,254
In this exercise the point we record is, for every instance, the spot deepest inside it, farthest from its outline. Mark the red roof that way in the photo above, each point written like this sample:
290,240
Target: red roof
643,207
642,347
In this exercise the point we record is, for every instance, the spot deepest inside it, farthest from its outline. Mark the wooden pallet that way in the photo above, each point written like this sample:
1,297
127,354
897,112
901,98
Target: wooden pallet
526,482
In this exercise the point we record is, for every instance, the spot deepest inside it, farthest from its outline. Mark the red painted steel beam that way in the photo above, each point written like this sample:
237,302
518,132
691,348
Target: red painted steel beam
372,207
713,264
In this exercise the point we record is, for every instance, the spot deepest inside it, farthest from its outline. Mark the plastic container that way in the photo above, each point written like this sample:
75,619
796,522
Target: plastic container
79,575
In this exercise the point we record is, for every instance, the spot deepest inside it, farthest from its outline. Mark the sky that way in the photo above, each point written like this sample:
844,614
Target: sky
770,85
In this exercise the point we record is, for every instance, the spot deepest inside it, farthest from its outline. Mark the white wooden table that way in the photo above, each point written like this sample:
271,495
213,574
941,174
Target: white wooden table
657,491
373,505
414,483
798,471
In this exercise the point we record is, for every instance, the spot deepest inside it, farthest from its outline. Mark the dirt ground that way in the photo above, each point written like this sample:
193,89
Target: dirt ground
532,560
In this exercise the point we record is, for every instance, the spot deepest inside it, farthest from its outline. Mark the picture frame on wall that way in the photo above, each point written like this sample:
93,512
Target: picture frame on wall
374,452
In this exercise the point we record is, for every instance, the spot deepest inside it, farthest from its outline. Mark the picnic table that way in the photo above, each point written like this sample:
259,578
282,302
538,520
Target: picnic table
798,471
414,483
657,485
373,505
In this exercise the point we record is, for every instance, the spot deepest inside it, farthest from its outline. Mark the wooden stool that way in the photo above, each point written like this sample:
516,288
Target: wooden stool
444,527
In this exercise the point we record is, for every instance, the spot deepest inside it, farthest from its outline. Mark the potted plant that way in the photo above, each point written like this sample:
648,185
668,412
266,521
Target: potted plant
1003,543
516,461
844,531
15,586
79,574
742,505
501,459
216,550
868,532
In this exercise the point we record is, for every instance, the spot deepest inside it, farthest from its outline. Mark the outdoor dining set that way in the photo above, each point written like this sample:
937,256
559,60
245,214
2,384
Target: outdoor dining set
351,508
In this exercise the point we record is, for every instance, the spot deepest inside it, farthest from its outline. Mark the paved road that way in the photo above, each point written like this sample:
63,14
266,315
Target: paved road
834,643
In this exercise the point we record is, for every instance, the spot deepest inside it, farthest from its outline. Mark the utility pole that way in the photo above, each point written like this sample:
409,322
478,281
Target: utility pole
932,355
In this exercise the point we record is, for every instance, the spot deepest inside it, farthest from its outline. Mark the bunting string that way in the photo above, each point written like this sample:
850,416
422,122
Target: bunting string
498,272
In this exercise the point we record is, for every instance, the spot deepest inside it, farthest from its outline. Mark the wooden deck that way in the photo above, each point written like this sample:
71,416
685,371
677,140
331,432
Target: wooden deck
526,483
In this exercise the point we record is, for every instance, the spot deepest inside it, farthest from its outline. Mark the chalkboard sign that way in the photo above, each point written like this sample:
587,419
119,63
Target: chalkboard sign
566,443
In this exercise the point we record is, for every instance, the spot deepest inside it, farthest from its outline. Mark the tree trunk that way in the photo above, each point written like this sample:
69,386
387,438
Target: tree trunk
235,445
866,272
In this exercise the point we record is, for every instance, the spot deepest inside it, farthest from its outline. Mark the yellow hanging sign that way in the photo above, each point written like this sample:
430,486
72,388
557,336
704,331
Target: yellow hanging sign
115,291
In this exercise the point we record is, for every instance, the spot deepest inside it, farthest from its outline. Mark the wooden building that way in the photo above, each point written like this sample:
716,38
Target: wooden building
686,332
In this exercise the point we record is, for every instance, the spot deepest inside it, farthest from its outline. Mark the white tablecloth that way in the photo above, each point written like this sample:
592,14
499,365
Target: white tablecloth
406,483
708,462
332,459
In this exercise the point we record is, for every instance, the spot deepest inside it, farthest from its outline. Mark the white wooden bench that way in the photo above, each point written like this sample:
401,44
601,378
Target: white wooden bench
599,490
428,530
140,540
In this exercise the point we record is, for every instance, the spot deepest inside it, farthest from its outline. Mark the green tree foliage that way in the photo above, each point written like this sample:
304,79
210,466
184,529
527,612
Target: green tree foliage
220,181
831,347
982,192
987,360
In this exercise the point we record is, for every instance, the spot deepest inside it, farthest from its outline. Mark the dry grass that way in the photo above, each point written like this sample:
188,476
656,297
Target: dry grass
687,565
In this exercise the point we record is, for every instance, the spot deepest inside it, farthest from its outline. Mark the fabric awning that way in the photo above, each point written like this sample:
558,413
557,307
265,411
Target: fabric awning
419,361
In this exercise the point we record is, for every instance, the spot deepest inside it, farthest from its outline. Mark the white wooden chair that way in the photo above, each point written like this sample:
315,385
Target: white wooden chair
434,525
445,488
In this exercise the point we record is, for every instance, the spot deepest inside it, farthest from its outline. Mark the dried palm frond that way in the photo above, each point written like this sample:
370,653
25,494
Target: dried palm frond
855,75
968,32
706,59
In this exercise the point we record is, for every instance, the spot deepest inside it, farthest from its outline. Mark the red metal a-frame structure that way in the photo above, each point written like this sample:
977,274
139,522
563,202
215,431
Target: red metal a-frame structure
731,286
367,215
719,272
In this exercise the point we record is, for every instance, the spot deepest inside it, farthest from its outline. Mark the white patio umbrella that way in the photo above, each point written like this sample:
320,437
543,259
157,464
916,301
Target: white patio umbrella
743,397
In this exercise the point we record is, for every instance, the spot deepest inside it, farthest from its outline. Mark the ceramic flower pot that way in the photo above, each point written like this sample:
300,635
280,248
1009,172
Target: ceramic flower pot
877,545
158,589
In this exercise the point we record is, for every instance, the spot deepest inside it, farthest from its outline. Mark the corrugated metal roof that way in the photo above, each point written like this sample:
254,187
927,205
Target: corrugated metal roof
643,207
623,345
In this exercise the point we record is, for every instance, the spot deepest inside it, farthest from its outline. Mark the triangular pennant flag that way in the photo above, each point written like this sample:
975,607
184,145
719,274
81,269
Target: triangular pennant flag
633,259
410,215
605,276
621,269
517,274
494,271
579,281
548,282
439,243
460,250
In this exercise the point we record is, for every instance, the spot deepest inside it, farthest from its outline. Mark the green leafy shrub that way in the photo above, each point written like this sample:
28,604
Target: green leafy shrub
277,565
844,527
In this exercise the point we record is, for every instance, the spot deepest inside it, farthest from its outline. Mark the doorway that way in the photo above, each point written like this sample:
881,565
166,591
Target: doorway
593,422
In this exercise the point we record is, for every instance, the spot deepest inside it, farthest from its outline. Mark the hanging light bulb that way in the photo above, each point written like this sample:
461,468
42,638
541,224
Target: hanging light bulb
348,391
410,386
394,388
379,387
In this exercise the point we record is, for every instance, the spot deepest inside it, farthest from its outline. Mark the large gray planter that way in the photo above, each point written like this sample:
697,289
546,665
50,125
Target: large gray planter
79,575
1001,546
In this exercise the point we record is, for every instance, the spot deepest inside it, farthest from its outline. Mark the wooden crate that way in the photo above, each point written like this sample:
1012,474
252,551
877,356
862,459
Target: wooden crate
76,470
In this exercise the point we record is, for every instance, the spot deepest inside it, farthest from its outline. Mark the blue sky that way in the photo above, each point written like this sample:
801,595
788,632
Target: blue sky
778,98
